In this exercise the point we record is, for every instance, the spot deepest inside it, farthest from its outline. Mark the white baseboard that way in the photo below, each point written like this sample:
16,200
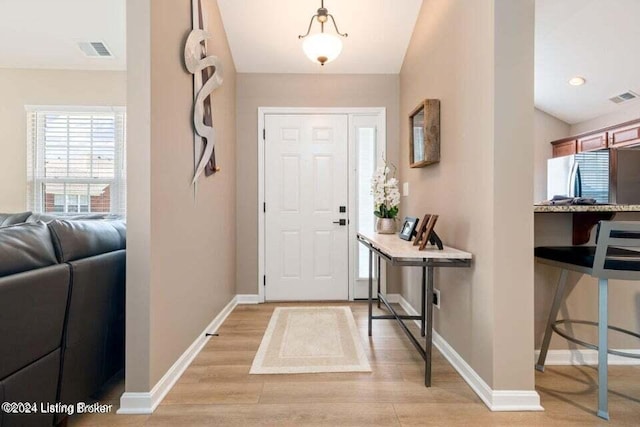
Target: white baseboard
248,298
496,400
147,402
585,357
393,298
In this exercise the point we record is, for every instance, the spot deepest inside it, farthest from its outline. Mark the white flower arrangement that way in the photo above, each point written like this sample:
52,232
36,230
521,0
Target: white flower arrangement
386,196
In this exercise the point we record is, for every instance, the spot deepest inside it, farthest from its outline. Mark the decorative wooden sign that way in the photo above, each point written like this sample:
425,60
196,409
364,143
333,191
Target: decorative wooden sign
207,76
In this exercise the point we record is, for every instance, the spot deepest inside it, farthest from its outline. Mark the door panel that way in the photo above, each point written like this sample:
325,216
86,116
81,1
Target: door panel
322,251
291,262
323,196
306,180
291,184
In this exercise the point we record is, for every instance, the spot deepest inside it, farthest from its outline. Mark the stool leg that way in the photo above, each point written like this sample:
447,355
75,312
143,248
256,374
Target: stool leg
553,315
603,346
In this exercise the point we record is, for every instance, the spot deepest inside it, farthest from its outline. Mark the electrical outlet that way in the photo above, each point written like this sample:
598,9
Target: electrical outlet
405,189
436,298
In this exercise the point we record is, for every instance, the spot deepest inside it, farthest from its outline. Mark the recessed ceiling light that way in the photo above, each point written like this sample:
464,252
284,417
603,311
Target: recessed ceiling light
577,81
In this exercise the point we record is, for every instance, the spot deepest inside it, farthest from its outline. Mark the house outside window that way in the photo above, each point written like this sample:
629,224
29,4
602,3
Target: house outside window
76,160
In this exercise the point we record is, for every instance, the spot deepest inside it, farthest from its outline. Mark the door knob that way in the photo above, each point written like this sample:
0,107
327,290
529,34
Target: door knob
341,222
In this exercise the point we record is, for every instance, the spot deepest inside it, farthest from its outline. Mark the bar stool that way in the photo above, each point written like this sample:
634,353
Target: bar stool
607,260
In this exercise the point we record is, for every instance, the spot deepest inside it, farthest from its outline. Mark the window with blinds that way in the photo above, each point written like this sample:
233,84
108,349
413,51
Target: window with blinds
76,160
594,175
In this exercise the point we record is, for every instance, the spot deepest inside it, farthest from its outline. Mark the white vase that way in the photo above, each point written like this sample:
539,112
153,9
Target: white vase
386,226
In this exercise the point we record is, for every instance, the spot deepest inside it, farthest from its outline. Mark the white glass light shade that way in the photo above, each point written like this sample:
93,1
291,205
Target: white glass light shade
322,47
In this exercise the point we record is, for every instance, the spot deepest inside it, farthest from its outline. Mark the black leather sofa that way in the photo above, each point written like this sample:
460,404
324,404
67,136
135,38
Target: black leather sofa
8,219
62,302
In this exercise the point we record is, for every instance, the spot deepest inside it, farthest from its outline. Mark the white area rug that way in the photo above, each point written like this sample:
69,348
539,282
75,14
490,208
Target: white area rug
310,339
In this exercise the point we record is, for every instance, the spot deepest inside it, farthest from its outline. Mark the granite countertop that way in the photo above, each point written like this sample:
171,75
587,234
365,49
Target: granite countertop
586,208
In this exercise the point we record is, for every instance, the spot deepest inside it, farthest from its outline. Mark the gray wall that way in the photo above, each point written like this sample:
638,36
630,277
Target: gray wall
294,90
19,87
625,113
180,247
473,56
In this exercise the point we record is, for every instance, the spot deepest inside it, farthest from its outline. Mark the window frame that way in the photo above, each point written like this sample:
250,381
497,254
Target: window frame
36,152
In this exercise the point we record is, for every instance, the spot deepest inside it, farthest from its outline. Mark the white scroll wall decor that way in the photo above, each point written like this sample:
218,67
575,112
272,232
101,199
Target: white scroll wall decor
207,76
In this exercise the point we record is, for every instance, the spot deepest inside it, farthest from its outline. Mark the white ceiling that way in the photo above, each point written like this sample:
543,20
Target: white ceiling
45,33
596,39
263,35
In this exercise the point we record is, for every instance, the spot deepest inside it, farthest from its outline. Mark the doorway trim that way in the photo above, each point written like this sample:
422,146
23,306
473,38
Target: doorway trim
350,112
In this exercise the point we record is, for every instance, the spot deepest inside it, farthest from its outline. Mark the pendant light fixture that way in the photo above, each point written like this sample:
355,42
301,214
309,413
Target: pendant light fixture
322,47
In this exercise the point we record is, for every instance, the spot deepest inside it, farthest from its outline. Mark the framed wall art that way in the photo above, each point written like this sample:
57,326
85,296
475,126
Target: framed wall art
207,76
424,134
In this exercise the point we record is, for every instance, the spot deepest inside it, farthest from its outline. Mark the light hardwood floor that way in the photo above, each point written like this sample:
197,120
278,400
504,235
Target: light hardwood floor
217,389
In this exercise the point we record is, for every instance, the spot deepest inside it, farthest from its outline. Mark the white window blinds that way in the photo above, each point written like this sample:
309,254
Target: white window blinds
76,160
594,175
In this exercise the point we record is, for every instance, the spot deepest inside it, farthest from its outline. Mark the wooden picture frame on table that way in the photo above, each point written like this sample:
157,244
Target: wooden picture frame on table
424,134
425,231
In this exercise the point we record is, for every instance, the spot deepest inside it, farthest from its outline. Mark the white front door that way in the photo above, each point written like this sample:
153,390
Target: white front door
306,184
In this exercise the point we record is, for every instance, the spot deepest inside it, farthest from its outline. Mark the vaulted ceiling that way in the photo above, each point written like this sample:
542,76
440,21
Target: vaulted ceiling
264,34
596,39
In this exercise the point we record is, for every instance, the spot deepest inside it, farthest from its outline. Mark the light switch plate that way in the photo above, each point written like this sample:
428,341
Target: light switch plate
405,189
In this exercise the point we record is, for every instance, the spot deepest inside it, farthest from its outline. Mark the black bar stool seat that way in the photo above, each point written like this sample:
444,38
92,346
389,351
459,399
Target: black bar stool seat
617,258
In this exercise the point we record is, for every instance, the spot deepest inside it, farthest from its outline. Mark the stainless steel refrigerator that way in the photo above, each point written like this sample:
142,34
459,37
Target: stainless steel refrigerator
609,176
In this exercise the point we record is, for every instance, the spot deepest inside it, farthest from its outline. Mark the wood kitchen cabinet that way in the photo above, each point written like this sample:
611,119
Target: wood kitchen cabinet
597,141
625,136
565,148
617,136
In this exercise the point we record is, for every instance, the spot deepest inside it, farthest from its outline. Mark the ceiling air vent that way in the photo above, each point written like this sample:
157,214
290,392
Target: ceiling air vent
624,97
95,49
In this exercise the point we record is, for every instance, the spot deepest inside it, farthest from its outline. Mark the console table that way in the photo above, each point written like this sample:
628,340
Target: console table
396,251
